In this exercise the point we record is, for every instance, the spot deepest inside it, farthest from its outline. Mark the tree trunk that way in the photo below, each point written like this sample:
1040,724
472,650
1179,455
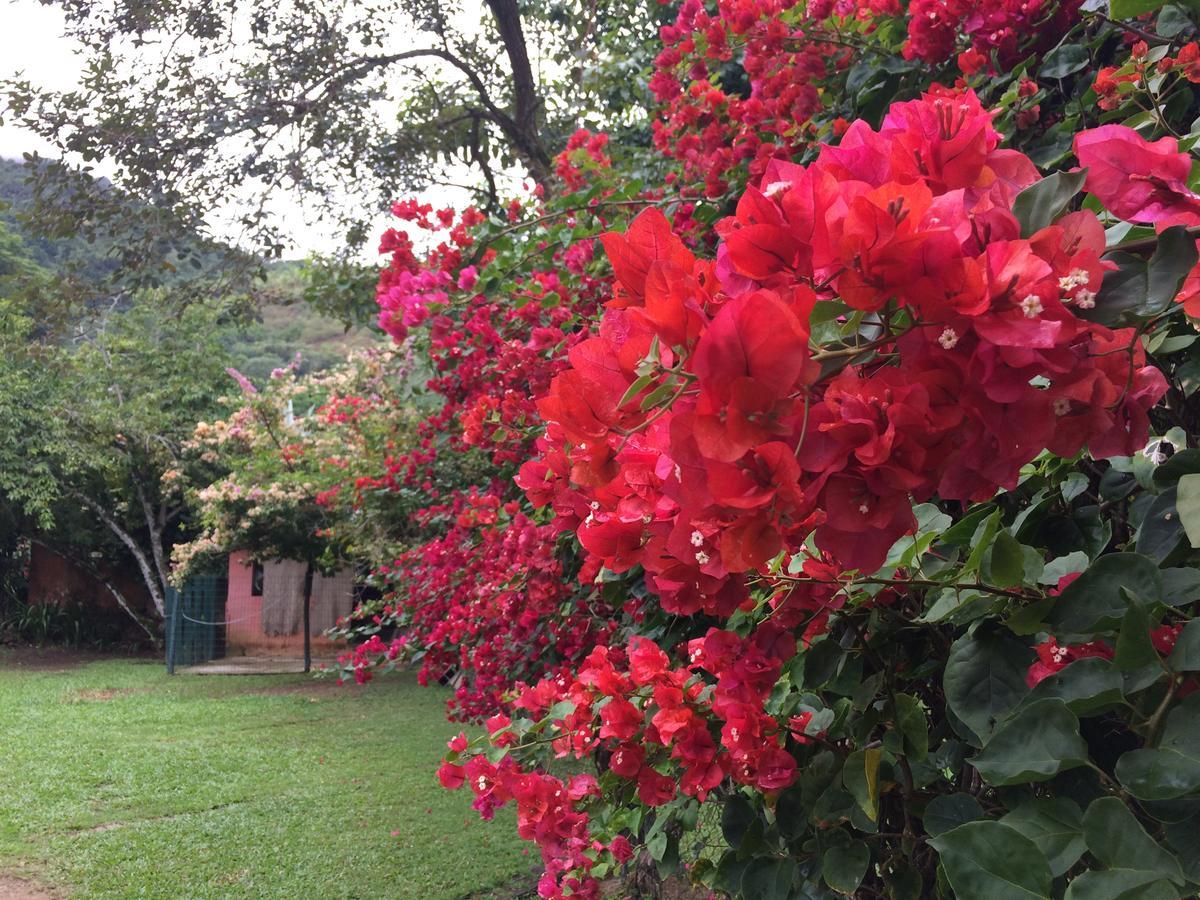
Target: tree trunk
156,524
308,584
112,589
153,584
524,128
124,604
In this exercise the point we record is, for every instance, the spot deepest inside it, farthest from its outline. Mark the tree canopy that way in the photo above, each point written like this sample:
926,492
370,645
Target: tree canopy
206,109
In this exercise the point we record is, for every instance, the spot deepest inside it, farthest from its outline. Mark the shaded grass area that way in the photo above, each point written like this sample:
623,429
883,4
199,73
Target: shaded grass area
117,780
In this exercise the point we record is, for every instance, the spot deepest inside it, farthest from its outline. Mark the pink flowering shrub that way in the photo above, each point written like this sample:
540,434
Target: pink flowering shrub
856,518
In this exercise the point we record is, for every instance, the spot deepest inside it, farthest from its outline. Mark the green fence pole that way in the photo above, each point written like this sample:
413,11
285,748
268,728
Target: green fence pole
172,624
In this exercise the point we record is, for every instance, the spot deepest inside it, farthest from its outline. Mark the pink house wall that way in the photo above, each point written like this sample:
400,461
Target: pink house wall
244,635
242,611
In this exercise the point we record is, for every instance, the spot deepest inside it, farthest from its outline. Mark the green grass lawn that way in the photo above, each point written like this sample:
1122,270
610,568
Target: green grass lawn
117,780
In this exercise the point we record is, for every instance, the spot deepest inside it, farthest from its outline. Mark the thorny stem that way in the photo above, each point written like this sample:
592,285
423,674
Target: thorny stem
1155,723
914,582
662,411
1147,36
823,355
1150,243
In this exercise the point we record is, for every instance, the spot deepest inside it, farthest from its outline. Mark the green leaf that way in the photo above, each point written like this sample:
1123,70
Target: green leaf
1116,838
990,861
657,845
1180,586
770,879
1059,567
1122,293
947,811
1161,532
1131,9
1173,768
1055,825
903,882
985,678
1174,257
561,709
1037,743
1181,837
1140,290
860,775
1064,60
1187,502
962,532
1028,619
1007,560
639,385
1185,657
913,727
1094,602
1134,648
843,868
981,542
931,522
791,812
730,871
1084,685
959,606
1172,21
1185,462
1044,201
736,819
1120,884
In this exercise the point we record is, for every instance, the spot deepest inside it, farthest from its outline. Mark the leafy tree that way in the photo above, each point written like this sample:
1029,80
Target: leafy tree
29,438
92,424
203,107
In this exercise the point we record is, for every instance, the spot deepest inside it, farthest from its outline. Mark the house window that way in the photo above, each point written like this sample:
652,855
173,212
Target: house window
256,580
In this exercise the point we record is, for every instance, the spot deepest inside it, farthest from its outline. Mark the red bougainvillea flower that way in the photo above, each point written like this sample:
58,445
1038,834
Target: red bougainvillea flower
1053,658
1138,180
755,451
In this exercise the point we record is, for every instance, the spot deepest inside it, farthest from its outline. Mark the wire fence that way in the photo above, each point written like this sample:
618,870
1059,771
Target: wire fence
237,617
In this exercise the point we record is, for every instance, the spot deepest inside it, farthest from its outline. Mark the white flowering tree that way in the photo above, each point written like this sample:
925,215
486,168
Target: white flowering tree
289,468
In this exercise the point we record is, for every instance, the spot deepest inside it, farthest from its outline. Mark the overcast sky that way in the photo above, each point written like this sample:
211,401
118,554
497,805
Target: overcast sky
31,42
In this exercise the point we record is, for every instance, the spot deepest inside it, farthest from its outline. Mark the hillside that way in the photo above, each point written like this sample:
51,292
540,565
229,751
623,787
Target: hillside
282,326
288,326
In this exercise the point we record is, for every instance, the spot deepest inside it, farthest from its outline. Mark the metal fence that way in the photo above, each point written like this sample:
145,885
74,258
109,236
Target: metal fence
196,621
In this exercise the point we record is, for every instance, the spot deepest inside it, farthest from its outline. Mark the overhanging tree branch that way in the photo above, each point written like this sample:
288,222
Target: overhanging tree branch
156,589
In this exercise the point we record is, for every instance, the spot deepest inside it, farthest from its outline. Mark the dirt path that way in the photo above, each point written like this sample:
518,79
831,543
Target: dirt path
13,888
55,659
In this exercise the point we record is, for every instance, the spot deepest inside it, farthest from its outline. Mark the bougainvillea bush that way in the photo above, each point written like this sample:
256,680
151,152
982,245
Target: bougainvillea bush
857,546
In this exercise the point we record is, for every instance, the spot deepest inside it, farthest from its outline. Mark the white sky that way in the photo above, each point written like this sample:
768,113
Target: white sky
31,42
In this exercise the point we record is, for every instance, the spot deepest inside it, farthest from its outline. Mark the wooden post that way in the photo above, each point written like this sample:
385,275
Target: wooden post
308,583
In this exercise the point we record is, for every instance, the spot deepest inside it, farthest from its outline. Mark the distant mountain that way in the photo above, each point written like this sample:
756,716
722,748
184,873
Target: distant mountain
283,325
54,255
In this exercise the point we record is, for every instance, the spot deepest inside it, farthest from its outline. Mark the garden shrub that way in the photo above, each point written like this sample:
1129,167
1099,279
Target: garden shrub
848,495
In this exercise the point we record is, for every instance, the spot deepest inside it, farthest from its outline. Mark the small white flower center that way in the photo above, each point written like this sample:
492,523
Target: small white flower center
1031,306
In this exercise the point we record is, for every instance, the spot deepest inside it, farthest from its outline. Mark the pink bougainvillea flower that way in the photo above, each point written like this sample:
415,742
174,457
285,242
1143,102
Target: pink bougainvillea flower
1138,180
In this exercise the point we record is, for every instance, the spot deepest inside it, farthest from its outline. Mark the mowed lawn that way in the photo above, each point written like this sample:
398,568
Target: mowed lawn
117,780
